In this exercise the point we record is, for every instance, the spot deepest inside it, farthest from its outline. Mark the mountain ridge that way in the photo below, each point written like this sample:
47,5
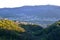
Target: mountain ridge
31,9
32,13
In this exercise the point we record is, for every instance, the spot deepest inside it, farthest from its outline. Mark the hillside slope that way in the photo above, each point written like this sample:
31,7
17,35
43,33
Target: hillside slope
10,30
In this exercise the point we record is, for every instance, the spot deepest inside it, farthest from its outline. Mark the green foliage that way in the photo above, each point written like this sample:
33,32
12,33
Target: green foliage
32,30
53,31
10,25
10,30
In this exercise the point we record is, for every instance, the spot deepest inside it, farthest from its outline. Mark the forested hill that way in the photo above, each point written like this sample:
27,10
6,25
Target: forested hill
13,30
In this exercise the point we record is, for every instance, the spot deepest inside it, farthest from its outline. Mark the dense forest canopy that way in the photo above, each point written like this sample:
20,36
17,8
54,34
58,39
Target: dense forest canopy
10,30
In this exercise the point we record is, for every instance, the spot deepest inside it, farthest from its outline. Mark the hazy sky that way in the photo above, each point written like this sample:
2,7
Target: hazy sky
18,3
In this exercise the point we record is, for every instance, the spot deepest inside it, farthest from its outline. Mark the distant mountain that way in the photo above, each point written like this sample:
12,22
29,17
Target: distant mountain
32,13
41,11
